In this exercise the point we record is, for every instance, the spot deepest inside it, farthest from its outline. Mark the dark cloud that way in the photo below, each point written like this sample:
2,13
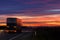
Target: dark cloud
28,6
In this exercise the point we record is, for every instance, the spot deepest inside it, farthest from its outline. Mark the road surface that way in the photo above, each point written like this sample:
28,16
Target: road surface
16,36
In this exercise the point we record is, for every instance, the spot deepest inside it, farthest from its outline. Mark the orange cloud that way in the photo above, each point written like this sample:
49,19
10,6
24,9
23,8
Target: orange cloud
51,20
46,20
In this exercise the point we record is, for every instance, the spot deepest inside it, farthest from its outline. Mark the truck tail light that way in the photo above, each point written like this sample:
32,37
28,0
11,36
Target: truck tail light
7,30
14,30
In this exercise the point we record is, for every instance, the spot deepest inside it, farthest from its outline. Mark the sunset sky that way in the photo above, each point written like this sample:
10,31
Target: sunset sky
34,12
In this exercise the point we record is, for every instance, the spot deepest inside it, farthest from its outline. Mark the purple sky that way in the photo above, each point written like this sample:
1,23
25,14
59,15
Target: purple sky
30,7
26,9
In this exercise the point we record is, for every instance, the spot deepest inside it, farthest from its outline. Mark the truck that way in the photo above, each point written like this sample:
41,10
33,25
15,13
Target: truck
14,25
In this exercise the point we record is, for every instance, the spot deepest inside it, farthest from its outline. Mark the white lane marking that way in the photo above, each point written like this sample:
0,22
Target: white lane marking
17,36
35,33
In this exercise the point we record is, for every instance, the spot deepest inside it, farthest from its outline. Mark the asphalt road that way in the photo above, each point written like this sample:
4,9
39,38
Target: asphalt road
38,34
16,36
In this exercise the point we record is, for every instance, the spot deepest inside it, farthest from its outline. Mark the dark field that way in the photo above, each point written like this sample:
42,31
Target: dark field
47,33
